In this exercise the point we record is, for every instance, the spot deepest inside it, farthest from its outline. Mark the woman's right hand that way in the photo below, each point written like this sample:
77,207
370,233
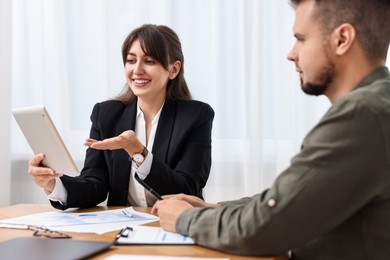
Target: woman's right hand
44,177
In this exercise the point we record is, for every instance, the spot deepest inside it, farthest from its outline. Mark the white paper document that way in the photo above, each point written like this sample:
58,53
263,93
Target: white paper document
96,222
152,236
154,257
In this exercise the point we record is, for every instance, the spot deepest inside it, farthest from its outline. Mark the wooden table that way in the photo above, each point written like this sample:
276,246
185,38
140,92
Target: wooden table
167,250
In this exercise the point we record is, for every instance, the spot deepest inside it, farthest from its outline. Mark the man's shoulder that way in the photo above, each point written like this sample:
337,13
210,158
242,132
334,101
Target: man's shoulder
375,96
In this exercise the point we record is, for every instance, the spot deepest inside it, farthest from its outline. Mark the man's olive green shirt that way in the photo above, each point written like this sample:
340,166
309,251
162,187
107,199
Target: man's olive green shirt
332,202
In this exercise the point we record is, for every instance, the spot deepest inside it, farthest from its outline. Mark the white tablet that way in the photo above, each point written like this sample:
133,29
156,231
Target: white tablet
43,137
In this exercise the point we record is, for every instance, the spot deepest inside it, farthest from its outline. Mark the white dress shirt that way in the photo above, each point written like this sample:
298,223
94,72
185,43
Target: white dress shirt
137,193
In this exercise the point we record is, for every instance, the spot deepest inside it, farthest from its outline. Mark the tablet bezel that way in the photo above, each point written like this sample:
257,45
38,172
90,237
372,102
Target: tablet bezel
43,137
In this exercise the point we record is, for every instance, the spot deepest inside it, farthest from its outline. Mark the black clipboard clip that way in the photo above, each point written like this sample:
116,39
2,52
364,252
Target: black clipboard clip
124,232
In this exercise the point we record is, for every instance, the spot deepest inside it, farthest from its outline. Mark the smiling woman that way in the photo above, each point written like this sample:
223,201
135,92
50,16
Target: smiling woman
143,51
66,55
154,131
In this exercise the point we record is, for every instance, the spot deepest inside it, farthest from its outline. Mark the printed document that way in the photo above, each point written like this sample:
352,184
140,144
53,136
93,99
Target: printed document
152,236
96,222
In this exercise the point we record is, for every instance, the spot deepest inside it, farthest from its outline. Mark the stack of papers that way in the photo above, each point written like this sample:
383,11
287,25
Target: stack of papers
91,222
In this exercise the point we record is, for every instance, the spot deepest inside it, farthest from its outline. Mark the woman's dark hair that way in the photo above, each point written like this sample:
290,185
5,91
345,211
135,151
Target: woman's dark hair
163,45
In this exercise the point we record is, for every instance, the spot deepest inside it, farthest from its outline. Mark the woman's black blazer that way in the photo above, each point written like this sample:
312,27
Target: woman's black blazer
181,154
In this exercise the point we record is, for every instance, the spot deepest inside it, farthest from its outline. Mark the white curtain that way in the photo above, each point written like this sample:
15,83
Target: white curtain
5,104
66,55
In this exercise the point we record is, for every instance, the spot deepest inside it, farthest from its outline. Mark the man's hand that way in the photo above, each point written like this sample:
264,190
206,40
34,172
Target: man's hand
169,211
193,200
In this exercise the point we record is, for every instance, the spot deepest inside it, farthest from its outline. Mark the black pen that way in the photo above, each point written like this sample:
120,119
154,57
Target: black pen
146,186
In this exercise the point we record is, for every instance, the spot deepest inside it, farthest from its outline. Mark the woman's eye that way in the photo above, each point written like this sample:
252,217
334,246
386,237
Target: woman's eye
150,62
131,61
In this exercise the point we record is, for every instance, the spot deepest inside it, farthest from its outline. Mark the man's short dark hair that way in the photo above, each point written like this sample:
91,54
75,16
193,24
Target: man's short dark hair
370,18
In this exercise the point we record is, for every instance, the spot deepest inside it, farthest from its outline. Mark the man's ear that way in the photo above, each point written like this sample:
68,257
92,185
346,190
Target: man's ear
343,38
175,69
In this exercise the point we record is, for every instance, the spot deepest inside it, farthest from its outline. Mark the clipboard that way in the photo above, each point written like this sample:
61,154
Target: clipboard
147,235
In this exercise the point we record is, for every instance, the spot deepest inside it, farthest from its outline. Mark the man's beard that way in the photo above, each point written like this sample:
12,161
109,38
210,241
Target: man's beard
324,79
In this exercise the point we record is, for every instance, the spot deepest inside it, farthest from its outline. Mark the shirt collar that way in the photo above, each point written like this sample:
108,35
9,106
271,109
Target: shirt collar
379,73
140,114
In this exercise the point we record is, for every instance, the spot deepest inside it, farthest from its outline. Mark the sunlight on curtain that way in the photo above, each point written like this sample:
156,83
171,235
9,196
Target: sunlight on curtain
66,55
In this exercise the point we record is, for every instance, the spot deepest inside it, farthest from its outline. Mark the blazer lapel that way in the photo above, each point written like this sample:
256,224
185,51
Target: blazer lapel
129,115
164,130
126,122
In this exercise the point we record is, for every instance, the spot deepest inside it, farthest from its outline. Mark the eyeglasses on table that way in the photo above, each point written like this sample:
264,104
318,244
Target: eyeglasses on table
40,231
